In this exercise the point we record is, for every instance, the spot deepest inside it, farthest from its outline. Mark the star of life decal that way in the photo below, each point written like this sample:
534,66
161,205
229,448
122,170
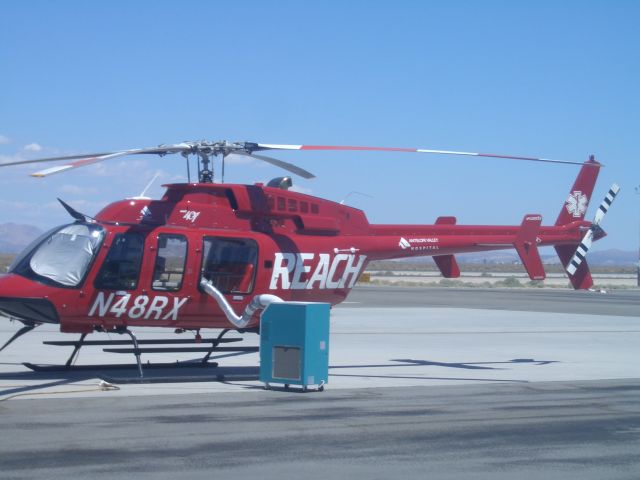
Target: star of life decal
576,204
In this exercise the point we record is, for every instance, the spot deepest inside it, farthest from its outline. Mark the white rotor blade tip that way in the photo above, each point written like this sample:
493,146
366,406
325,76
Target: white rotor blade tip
51,171
280,147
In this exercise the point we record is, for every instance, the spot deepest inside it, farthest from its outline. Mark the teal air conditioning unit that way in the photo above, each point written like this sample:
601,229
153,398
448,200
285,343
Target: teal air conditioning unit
294,344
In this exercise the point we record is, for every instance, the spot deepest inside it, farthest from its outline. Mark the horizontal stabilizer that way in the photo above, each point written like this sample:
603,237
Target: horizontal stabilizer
527,246
447,265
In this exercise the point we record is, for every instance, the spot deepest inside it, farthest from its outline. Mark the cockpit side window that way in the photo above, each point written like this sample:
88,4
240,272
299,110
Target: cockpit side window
121,268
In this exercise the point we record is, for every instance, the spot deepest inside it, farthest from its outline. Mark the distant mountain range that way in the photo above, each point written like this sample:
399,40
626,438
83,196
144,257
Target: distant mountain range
611,257
14,237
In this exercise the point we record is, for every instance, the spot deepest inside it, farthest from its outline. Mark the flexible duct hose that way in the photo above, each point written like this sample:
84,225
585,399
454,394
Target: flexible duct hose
259,302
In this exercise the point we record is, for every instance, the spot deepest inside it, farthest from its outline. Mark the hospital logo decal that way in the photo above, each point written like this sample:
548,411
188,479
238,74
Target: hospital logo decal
419,244
577,204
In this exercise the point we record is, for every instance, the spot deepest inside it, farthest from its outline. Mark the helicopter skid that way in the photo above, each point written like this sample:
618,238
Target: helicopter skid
114,366
133,347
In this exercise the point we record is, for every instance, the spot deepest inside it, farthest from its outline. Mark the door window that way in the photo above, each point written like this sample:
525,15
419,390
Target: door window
121,268
230,263
168,271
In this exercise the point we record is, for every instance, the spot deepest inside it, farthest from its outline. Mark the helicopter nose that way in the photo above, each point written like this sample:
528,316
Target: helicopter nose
29,310
23,299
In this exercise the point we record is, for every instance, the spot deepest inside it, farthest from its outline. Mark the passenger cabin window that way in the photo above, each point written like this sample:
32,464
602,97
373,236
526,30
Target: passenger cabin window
230,263
168,271
121,268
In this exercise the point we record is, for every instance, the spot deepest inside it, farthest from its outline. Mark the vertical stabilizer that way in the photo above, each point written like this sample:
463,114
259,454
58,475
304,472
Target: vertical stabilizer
575,205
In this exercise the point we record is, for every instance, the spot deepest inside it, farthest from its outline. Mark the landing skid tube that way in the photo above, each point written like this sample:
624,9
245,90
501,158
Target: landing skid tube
26,329
137,351
113,366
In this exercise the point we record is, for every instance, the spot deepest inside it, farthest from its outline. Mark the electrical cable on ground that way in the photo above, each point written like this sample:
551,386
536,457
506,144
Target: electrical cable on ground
102,386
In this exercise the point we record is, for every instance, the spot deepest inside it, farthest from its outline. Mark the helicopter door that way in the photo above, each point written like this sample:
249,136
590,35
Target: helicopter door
230,264
119,294
122,283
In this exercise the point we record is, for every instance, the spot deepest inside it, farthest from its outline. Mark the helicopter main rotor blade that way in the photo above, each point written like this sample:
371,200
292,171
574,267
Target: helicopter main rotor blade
270,146
279,163
83,160
205,149
54,159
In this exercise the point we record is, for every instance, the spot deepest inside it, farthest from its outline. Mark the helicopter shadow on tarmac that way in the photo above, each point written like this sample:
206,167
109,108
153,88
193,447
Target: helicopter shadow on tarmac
49,376
47,380
428,363
121,374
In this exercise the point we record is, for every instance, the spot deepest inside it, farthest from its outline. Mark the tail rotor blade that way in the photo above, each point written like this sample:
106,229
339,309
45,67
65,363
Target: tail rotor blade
581,252
587,241
606,203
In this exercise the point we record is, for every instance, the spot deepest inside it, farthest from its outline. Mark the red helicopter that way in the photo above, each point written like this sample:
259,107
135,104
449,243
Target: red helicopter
212,255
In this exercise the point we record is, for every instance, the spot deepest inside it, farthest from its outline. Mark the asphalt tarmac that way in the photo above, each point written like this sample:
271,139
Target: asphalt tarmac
614,302
424,383
585,430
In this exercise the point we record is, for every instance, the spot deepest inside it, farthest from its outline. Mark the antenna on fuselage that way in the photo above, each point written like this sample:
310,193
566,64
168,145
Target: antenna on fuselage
353,192
144,191
79,217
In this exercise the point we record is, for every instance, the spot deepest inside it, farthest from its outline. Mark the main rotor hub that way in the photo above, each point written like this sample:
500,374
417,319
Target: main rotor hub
204,149
221,147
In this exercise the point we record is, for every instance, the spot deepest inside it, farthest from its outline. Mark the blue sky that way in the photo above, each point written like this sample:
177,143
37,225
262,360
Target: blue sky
544,78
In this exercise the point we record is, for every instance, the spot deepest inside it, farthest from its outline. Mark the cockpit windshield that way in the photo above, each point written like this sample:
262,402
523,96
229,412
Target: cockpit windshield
63,256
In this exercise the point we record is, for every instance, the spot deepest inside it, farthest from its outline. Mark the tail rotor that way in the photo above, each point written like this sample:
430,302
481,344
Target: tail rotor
587,240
